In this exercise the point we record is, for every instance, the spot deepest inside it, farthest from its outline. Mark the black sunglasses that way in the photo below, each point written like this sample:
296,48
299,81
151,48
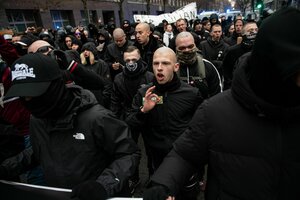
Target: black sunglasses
43,49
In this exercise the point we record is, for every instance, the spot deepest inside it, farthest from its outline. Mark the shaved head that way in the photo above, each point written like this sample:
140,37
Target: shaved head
118,32
184,35
163,51
36,45
144,26
164,64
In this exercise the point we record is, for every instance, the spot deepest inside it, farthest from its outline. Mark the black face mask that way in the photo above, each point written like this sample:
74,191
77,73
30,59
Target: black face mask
249,39
133,69
131,66
54,103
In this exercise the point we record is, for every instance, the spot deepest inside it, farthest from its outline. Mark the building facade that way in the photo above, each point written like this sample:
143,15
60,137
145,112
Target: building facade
20,14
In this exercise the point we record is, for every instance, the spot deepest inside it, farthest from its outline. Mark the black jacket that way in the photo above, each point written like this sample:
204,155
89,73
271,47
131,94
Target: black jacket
211,73
232,55
124,87
87,144
232,40
166,121
148,50
214,52
115,54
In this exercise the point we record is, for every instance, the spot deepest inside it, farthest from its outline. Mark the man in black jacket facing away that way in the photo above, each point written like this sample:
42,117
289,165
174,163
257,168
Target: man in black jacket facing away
79,144
249,135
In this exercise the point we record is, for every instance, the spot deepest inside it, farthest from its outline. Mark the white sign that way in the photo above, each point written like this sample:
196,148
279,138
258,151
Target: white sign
188,12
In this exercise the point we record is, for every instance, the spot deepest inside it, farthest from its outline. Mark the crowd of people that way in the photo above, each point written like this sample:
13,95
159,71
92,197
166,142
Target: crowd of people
208,96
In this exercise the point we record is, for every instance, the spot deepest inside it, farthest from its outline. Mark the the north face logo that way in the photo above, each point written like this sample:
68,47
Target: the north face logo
22,71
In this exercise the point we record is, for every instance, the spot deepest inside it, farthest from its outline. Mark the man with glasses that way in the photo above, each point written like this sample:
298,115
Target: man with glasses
195,70
115,51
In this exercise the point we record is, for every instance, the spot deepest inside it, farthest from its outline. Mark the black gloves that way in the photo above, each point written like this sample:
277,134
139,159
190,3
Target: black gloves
62,58
158,192
89,190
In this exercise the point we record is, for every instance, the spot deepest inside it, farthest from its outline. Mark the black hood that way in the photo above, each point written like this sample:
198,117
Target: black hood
275,59
90,46
105,34
244,94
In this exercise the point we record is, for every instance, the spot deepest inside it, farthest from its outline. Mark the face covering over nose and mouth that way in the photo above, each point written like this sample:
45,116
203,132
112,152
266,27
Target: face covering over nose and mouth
133,69
187,57
131,66
249,39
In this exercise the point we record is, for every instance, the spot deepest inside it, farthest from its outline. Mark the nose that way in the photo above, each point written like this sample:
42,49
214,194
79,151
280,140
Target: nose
159,67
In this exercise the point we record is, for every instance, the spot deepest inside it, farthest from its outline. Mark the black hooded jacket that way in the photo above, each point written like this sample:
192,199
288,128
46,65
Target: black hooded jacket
100,68
251,148
88,143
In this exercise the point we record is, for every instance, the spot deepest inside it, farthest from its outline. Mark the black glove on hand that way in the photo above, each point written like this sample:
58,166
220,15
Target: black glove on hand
61,58
89,190
158,192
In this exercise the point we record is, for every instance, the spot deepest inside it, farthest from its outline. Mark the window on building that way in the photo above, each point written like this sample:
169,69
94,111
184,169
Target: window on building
143,12
21,19
135,12
60,18
93,18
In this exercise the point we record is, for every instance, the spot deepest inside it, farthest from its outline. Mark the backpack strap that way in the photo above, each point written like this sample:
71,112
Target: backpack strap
201,67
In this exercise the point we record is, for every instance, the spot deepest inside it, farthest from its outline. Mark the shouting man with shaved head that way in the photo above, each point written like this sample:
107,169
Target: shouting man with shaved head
163,108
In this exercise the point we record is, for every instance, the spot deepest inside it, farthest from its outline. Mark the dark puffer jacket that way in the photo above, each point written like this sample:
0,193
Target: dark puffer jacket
249,141
98,148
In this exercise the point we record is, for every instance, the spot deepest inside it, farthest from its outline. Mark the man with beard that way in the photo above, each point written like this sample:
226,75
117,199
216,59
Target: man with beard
214,47
234,52
195,70
163,109
79,144
126,84
249,135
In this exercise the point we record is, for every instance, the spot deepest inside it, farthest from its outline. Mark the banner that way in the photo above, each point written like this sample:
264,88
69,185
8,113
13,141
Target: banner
16,191
188,12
